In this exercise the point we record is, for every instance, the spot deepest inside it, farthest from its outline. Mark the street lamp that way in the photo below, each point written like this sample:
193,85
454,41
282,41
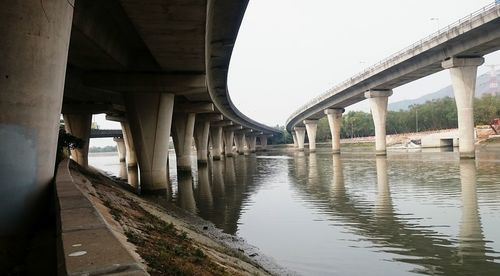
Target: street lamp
437,21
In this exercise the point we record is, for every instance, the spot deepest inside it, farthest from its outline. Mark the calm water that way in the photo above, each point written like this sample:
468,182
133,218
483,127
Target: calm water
354,214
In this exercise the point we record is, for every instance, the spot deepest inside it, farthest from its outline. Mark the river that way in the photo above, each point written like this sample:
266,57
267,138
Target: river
354,214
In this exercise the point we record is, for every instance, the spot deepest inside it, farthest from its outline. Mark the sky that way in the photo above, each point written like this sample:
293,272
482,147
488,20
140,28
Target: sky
290,51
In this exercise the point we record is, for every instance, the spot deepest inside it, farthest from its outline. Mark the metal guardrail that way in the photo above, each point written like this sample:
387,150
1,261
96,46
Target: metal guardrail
330,92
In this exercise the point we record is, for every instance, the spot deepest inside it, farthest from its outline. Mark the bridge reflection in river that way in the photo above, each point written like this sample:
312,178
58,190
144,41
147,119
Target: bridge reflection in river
356,214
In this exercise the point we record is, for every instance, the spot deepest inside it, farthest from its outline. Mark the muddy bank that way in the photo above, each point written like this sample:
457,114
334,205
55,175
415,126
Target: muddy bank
166,239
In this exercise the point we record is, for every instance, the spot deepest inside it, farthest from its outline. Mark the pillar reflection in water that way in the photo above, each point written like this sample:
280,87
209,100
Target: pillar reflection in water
471,239
313,177
205,198
185,196
383,204
300,164
229,173
338,188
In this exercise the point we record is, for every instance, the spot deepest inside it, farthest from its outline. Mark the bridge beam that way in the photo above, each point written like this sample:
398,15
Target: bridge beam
334,116
228,141
182,134
201,134
150,117
239,142
378,105
120,146
79,126
311,128
300,135
463,73
217,141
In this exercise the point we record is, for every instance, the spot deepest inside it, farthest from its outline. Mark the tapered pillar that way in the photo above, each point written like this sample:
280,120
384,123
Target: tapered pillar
334,116
311,128
295,142
34,50
239,142
263,142
79,126
251,141
300,135
201,134
182,134
120,147
463,73
217,141
129,144
150,118
378,105
228,141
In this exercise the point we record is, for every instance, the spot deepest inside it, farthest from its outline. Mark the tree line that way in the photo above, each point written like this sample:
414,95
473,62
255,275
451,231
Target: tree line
432,115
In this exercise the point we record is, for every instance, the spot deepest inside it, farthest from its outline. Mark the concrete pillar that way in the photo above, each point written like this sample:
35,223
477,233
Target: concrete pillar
311,128
300,135
120,146
34,49
334,116
295,142
201,133
239,141
129,145
228,141
378,105
263,142
150,118
182,134
463,73
79,126
251,141
217,142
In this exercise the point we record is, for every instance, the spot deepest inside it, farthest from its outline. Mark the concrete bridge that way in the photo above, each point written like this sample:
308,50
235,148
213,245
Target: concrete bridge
158,67
459,47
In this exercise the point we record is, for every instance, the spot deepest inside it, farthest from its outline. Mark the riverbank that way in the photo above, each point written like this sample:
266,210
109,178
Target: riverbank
168,240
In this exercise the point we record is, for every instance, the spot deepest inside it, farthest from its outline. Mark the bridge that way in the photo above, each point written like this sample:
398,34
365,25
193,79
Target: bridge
158,67
459,47
106,133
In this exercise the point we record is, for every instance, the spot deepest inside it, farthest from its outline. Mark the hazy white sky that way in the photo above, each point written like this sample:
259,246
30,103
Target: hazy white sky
289,51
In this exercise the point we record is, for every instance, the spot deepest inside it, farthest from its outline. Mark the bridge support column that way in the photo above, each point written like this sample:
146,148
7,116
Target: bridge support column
463,73
183,128
150,118
120,147
294,137
79,126
217,144
129,145
263,142
334,116
251,141
239,141
311,128
228,141
201,133
300,135
378,105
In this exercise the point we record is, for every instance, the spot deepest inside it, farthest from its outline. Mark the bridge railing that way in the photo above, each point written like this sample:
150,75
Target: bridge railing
330,92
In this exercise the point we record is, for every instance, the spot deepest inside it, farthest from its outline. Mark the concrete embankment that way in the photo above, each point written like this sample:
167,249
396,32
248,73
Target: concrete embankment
98,215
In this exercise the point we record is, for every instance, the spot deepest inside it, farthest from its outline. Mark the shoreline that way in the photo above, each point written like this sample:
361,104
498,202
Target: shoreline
206,246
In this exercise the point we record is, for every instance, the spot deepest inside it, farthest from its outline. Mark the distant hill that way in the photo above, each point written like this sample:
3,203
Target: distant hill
482,87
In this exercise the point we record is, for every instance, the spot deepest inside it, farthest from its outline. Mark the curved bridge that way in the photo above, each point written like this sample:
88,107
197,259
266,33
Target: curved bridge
458,47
